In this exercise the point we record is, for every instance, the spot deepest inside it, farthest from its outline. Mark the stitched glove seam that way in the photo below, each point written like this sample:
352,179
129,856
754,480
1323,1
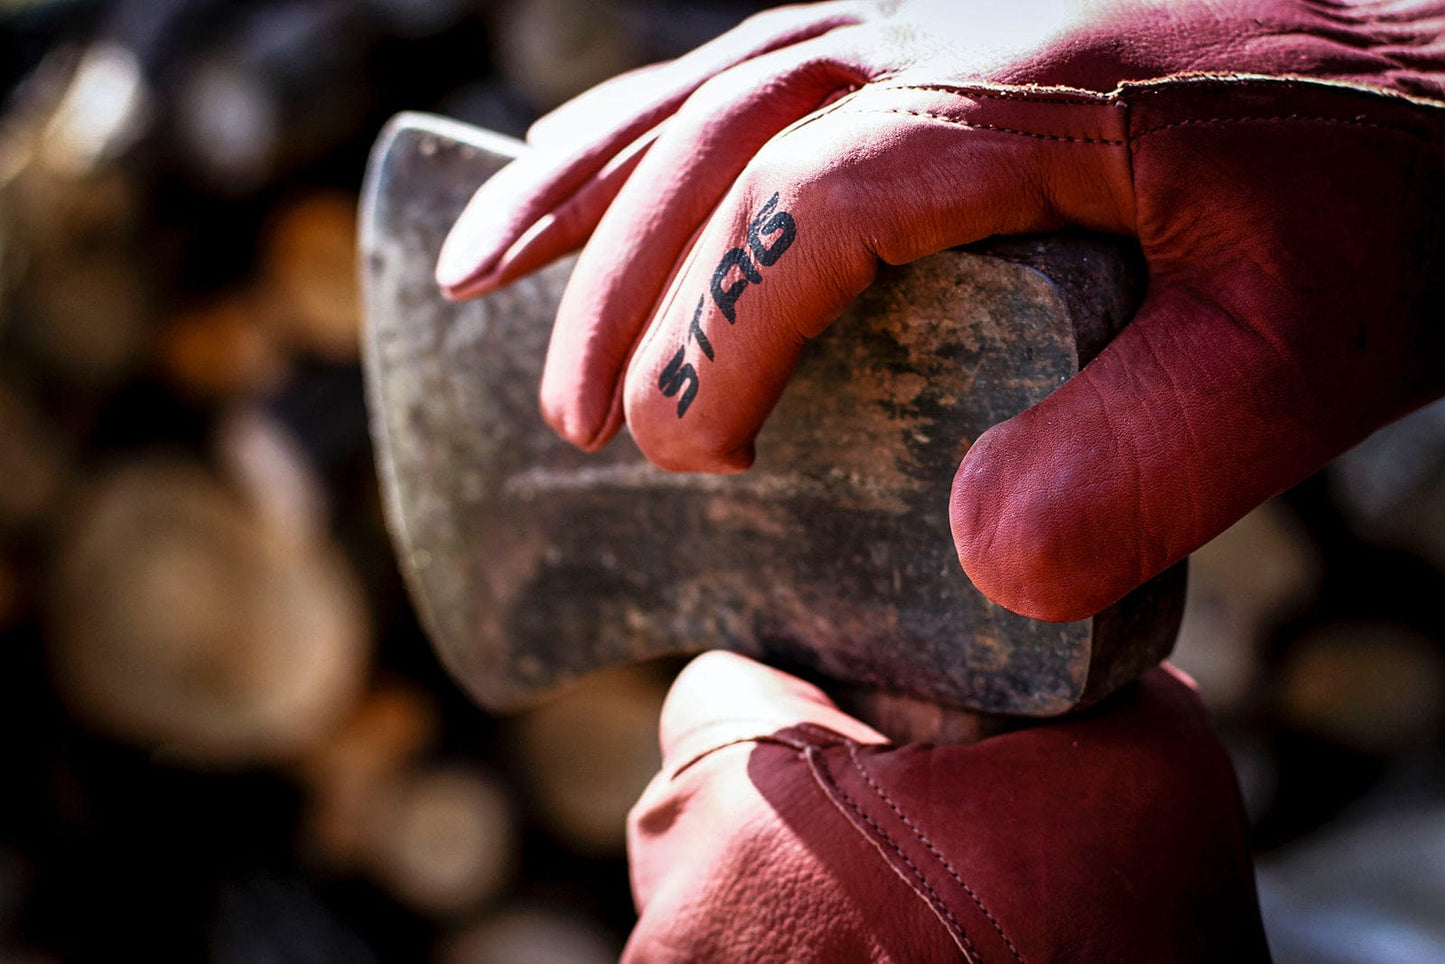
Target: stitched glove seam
932,898
1366,93
1279,119
1071,139
1029,95
929,845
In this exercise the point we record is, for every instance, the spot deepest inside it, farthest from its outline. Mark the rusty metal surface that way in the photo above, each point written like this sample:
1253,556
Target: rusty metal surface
533,563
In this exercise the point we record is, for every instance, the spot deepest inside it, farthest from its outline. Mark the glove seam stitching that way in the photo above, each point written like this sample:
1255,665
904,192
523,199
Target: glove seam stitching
936,901
988,127
1230,82
923,838
1103,100
1281,119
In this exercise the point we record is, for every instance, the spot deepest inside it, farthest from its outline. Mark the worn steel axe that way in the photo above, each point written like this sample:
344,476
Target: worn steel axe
533,563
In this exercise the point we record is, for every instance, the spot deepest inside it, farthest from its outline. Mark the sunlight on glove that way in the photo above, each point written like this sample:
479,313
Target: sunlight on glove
1280,163
781,829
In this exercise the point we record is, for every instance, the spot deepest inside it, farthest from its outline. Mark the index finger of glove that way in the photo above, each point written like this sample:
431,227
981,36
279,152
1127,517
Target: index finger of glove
802,233
625,269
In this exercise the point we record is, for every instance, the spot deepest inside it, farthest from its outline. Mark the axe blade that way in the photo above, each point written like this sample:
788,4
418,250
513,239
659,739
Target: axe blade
533,563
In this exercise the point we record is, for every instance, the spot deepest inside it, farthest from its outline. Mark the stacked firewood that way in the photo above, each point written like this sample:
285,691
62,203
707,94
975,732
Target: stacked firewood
199,606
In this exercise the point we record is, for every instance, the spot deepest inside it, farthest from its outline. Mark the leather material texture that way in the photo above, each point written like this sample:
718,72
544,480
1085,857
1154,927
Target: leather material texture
1280,162
782,830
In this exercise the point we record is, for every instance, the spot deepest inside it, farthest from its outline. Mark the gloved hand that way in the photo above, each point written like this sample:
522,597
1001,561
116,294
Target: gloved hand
781,829
1280,162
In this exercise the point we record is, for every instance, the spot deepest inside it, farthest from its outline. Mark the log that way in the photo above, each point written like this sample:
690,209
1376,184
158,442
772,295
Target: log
308,284
1391,487
587,754
267,467
33,462
85,306
551,50
346,773
221,350
443,840
1374,686
1249,578
533,933
182,623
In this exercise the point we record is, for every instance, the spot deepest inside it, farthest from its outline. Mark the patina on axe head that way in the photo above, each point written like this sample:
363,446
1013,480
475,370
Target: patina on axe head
533,563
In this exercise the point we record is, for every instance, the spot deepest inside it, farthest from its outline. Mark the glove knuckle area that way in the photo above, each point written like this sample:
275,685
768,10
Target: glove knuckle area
778,87
991,159
829,156
772,59
793,19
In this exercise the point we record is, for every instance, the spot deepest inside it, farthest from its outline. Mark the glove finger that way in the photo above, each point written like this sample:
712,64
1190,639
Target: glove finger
633,252
1189,419
509,203
1254,359
565,228
798,238
661,88
512,201
722,698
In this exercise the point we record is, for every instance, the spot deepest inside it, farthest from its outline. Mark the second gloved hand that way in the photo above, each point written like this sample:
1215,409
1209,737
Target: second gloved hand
782,829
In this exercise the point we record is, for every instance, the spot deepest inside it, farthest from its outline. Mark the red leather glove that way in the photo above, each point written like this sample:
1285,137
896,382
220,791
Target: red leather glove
781,829
1280,162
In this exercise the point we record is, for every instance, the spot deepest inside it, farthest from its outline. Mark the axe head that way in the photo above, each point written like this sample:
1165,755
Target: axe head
533,563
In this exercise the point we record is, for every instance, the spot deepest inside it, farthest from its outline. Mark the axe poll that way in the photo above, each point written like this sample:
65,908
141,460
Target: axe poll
533,563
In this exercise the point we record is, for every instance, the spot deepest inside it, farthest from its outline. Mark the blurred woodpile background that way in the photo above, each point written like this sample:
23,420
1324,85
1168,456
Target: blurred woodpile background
224,736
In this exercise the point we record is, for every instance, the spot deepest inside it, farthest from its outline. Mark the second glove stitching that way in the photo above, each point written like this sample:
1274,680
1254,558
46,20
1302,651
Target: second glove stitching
923,838
811,754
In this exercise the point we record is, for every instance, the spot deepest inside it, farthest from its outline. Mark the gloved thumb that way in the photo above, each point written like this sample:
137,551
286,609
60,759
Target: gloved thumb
1262,351
1186,422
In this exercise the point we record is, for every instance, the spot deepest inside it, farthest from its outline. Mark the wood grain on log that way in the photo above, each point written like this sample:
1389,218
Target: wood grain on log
443,839
182,622
537,934
346,772
34,463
